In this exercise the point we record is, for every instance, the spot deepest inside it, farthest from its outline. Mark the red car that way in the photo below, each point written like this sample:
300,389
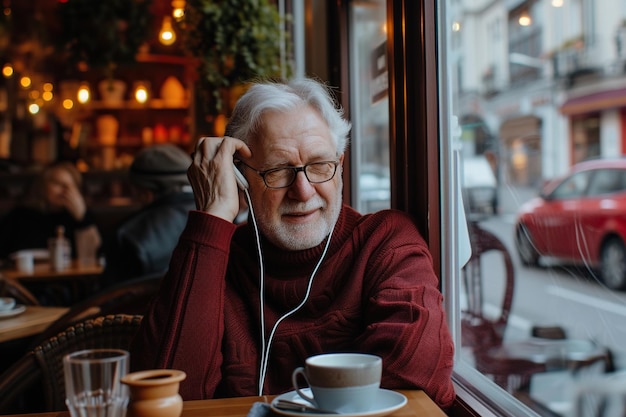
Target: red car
579,218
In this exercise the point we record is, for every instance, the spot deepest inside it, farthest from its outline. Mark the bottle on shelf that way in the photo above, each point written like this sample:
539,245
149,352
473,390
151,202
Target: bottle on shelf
59,248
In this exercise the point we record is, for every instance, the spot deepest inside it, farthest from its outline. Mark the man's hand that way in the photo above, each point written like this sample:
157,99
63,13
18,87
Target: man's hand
212,176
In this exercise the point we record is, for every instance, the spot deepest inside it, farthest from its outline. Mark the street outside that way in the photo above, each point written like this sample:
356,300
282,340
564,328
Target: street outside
554,294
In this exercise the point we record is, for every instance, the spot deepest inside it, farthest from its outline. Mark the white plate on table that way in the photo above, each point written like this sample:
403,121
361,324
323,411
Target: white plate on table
17,310
387,402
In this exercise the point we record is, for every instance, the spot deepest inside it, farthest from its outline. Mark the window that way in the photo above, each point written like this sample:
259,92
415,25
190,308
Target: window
553,107
607,181
369,107
532,104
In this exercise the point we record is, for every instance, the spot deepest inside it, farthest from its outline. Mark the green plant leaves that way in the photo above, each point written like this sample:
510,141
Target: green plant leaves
235,41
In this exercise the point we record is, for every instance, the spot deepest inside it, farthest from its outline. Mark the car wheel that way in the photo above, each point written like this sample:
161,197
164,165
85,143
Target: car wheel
613,264
525,248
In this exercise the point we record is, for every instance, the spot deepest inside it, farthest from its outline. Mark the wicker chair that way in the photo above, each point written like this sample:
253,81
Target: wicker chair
129,297
36,382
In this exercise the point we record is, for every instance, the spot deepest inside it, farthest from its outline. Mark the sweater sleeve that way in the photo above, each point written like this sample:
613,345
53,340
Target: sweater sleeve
184,326
405,320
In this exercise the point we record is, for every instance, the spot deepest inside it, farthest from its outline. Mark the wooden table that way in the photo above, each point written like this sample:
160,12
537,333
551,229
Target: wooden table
81,281
31,322
43,272
419,405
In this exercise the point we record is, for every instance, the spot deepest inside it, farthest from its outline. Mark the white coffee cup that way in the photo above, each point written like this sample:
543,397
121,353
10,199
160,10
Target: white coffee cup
7,303
25,262
341,382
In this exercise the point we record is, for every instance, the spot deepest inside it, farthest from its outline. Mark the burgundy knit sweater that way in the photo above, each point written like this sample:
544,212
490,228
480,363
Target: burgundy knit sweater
375,292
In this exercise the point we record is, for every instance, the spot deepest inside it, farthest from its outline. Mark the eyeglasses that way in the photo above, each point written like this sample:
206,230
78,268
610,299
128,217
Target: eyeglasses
315,172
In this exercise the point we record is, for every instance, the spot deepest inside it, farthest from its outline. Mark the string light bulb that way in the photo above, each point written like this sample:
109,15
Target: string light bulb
167,36
84,94
178,9
141,92
7,70
25,81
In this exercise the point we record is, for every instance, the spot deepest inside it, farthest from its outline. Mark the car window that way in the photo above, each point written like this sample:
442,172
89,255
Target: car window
573,186
606,181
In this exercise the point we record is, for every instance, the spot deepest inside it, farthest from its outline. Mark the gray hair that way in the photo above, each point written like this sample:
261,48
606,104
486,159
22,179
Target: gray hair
284,96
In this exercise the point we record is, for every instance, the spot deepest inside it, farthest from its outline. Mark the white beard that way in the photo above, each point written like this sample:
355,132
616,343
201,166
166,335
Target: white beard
303,236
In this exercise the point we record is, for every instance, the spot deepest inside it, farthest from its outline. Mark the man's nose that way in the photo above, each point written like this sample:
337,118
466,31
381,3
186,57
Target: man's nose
301,189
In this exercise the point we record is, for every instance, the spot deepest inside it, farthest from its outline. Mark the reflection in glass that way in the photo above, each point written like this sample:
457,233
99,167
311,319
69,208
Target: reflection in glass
369,107
539,86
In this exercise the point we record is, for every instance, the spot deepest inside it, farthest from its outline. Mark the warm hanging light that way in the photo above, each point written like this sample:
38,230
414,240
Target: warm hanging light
557,3
141,92
25,81
178,9
7,70
524,19
33,108
47,93
167,36
84,93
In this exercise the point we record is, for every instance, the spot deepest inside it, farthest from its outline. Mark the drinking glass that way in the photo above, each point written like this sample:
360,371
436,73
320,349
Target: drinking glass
92,382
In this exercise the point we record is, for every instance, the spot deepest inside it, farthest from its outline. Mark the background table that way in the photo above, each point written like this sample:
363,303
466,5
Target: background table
31,322
43,272
79,280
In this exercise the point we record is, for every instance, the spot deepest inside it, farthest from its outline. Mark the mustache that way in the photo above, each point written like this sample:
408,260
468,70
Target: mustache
313,204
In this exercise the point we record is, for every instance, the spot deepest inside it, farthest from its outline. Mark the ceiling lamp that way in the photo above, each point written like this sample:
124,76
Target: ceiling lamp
167,36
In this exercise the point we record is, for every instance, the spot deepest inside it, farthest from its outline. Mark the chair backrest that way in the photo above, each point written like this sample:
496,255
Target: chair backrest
10,287
128,297
41,370
477,327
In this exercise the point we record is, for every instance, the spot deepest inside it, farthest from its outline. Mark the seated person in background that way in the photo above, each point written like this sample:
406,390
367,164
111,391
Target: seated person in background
144,242
55,200
238,314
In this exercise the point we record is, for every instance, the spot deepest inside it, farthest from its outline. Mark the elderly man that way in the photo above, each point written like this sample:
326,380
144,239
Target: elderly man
242,306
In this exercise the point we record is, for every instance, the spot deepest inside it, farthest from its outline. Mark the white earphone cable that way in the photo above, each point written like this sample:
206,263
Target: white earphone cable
265,346
261,283
266,353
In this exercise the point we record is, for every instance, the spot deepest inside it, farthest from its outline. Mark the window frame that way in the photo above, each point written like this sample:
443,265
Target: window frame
423,183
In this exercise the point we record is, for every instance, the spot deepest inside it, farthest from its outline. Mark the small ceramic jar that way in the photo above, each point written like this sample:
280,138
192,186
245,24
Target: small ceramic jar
154,393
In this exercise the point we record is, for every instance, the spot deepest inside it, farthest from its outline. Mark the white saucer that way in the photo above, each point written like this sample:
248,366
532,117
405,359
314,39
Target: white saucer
388,401
18,309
